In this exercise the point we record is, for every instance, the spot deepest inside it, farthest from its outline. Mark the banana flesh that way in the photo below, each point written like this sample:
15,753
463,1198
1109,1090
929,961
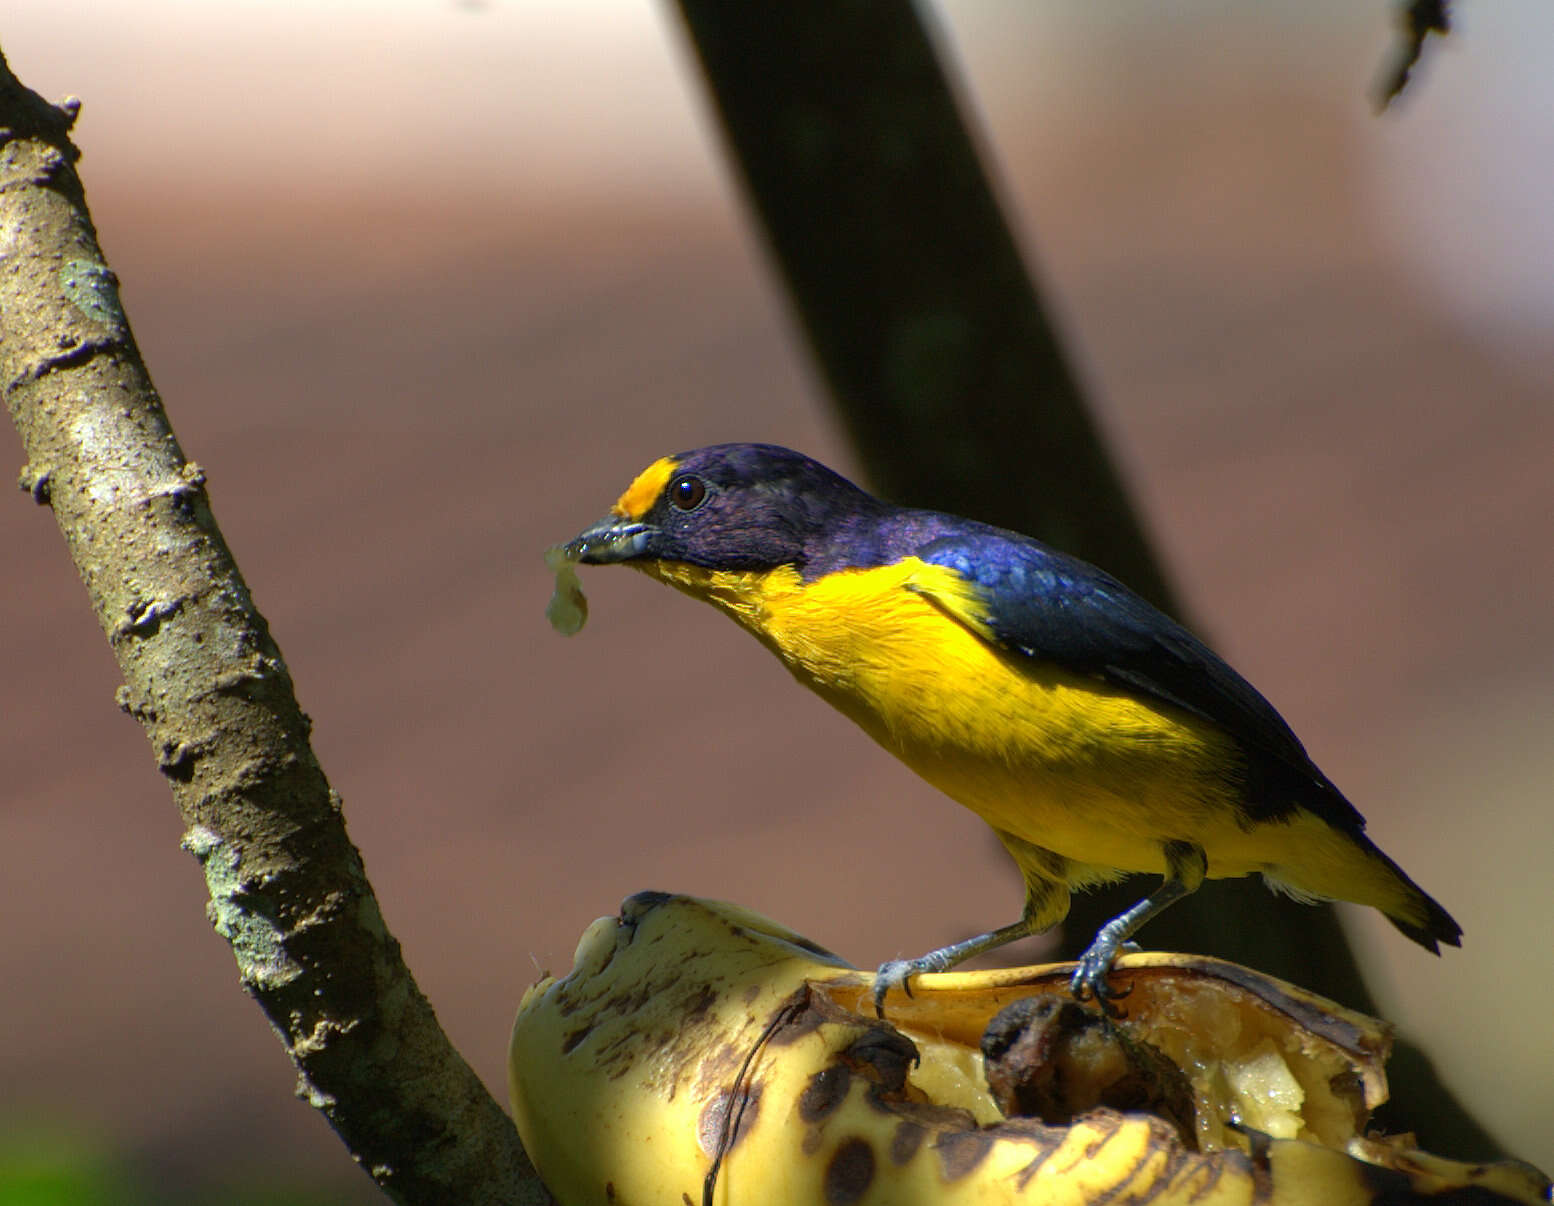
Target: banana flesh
698,1052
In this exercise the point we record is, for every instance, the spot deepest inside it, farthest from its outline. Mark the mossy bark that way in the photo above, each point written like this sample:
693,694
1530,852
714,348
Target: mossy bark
207,682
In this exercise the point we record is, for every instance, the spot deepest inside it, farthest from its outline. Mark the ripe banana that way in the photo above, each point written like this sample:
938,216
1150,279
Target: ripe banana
698,1052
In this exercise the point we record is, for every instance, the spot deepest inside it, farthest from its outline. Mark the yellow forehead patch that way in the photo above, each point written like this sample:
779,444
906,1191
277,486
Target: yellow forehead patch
643,493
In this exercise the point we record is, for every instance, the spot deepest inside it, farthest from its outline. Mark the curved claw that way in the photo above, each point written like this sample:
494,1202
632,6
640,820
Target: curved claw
1090,977
897,973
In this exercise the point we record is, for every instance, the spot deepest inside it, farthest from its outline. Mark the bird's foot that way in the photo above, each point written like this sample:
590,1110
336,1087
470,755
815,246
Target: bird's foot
1090,977
898,973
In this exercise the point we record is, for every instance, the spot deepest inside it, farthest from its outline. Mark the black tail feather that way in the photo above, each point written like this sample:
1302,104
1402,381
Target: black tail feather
1439,926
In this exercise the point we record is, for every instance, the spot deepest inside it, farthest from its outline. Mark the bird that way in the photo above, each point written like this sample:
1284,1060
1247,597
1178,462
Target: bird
1097,736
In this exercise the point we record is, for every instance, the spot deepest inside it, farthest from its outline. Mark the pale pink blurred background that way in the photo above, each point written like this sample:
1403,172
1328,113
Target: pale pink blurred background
423,285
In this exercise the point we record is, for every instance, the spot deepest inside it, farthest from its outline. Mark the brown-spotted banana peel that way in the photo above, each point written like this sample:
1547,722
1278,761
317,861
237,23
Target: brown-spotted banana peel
693,1035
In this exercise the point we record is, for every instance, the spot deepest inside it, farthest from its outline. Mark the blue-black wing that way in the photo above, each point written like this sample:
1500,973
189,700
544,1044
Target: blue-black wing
1055,609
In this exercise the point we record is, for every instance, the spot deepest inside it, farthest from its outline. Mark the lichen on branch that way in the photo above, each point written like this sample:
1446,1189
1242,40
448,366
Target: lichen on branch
205,679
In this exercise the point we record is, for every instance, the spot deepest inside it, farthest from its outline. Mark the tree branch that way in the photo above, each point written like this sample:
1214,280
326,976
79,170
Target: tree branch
1417,19
202,675
938,350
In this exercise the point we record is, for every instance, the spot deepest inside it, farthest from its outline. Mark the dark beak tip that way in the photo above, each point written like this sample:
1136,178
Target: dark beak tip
609,541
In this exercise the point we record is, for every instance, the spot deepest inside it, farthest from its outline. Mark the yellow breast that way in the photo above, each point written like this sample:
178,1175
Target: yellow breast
1061,760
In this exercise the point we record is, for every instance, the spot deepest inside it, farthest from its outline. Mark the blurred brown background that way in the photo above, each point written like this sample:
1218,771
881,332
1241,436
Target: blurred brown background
424,285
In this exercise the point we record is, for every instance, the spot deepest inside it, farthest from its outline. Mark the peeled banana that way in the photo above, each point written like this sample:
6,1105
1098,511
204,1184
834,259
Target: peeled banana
700,1053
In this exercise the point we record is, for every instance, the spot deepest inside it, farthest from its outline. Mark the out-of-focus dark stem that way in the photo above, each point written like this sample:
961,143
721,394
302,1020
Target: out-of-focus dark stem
938,351
946,367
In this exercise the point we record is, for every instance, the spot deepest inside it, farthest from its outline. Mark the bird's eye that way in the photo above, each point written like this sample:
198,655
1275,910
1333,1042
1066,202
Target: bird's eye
688,492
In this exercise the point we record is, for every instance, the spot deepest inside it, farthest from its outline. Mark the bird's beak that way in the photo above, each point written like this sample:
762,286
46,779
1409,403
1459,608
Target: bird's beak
610,540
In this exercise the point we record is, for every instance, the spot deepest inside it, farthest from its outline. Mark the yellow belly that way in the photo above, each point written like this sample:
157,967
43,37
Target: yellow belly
1055,759
1060,760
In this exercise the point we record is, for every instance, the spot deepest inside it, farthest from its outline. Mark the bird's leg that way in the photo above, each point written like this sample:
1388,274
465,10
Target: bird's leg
1046,901
898,972
1186,866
